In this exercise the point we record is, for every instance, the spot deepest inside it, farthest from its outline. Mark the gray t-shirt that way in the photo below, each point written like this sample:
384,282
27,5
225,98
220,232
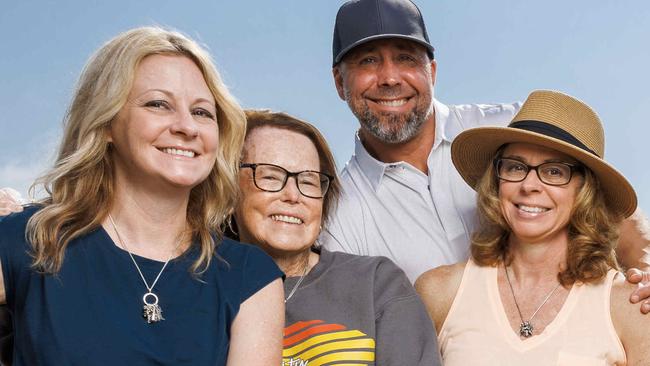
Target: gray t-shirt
355,310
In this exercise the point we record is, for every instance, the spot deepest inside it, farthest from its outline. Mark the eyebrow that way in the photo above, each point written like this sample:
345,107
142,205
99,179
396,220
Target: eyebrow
524,160
171,95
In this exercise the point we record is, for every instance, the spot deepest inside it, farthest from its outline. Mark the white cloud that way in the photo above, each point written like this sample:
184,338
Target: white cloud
20,175
25,161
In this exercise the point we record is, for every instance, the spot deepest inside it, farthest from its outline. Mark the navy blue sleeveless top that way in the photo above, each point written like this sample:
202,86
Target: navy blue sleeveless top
90,313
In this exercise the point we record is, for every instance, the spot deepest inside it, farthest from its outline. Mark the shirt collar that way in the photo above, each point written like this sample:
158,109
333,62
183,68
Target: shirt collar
442,121
374,169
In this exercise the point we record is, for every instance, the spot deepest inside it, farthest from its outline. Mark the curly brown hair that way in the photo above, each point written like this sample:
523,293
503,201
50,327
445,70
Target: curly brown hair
593,230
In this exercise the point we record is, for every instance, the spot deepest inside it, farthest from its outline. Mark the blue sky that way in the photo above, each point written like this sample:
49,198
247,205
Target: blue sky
277,54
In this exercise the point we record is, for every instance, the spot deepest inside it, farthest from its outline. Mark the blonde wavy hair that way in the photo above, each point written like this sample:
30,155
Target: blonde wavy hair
80,186
593,230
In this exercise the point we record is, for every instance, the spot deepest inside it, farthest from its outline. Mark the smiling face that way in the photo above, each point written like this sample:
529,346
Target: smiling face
388,85
537,212
283,223
166,135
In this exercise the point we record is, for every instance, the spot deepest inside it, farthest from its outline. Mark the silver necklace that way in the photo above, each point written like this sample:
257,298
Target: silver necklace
295,287
150,310
526,328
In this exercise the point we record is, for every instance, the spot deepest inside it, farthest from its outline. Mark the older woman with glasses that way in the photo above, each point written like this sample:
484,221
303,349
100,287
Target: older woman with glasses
543,267
340,308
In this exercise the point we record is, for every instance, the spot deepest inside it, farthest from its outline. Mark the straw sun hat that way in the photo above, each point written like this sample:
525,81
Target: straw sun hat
556,121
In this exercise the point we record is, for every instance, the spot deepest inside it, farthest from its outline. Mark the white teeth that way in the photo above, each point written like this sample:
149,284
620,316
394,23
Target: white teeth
171,151
288,219
392,103
532,209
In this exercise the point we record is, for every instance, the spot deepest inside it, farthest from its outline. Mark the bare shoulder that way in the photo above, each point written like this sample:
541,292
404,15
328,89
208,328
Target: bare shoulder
630,324
620,303
437,288
440,278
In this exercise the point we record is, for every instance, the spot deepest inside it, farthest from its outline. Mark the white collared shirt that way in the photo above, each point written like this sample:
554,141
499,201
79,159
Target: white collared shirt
418,220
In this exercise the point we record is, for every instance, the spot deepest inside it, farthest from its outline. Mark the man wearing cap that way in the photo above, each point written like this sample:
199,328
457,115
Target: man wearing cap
402,196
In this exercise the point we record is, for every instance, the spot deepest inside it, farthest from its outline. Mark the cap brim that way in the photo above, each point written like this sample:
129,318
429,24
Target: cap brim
347,49
473,150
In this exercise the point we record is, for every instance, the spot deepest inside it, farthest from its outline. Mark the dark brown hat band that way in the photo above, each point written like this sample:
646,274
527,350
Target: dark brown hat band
551,131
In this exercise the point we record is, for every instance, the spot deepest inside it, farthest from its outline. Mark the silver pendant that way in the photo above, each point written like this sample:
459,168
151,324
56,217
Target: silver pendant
525,329
151,310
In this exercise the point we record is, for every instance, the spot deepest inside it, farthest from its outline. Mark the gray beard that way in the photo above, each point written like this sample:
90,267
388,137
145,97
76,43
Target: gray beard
395,129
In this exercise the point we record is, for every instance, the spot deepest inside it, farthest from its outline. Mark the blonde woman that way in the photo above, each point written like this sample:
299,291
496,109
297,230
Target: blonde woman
542,286
124,262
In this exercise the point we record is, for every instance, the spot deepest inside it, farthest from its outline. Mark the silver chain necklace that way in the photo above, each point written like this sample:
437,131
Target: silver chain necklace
150,310
295,287
526,328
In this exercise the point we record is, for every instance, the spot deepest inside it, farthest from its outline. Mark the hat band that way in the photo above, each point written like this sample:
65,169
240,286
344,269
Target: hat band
551,131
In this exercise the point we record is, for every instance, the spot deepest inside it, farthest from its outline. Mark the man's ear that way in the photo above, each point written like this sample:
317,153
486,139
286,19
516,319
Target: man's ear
434,66
338,81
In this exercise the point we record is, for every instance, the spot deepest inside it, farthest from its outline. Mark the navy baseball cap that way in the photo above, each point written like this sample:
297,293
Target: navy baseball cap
361,21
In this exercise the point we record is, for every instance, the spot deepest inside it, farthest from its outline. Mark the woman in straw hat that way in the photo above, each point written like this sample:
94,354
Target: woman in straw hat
123,263
542,286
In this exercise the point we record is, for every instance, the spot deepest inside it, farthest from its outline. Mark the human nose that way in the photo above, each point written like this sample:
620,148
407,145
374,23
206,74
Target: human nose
290,191
531,182
184,124
388,73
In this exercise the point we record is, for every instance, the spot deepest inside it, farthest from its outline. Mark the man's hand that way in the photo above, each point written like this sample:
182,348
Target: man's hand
641,294
10,201
635,242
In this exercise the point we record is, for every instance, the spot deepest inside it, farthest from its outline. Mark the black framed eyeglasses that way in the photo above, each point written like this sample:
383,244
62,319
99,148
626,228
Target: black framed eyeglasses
273,178
552,173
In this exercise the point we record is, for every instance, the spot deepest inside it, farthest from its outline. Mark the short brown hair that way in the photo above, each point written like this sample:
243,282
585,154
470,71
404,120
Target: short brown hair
266,118
593,230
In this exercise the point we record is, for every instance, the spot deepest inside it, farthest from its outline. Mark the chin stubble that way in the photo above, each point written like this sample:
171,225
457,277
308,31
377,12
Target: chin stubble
395,128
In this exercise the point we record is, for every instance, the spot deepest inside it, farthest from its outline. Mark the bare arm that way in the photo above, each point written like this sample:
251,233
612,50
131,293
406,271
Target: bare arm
3,292
633,251
631,326
256,334
437,288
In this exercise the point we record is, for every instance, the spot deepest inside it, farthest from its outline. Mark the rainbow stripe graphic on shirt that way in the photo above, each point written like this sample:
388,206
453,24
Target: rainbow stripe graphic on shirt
316,343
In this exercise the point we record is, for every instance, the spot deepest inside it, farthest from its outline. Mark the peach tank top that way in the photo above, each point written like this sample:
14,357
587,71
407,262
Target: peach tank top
476,331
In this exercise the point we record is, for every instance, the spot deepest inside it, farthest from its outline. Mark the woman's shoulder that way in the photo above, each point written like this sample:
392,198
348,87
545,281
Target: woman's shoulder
234,249
242,254
13,230
438,287
378,273
15,249
443,277
17,221
630,324
361,262
244,266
